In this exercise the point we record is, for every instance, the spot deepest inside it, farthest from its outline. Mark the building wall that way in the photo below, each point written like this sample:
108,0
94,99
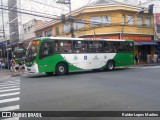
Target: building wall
116,25
156,10
13,21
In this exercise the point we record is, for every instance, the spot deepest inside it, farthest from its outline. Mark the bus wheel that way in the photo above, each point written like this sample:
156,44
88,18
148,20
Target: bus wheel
61,69
110,65
49,73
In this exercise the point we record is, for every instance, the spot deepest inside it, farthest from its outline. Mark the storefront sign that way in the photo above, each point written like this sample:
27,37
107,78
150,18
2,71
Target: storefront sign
147,38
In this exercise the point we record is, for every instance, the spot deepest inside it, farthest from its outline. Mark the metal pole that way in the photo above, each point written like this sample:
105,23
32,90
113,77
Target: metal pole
68,2
7,60
94,34
71,23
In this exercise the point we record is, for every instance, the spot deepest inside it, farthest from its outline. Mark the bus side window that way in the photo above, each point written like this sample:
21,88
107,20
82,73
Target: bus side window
63,46
77,46
108,47
129,46
46,49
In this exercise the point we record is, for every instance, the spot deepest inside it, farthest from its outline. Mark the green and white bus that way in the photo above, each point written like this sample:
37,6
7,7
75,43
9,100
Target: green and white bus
62,55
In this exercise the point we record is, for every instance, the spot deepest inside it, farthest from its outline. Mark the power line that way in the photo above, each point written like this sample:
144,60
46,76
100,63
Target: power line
85,7
29,13
48,5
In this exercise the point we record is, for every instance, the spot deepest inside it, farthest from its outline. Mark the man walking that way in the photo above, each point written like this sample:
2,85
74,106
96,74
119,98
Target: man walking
13,69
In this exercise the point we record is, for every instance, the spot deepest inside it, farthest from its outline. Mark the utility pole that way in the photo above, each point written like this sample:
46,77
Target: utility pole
3,31
68,4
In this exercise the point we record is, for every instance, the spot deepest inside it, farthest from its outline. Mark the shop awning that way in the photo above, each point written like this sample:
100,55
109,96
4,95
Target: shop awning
137,43
148,43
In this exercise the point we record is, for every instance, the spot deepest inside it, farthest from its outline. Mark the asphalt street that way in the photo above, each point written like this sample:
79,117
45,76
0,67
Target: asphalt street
125,89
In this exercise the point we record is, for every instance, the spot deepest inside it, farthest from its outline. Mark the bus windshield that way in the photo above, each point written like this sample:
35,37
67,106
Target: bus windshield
32,51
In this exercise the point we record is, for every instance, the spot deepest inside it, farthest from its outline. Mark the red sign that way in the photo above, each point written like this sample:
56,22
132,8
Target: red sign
147,38
157,18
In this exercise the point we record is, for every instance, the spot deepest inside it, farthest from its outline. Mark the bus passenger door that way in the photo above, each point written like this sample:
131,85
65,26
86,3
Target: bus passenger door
45,56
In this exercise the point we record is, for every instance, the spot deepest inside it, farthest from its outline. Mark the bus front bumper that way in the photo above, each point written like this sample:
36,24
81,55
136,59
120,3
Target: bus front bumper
32,70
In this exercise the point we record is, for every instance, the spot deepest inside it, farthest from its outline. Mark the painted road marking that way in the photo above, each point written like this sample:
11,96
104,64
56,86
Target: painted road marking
8,87
9,94
9,108
14,118
9,100
9,90
4,84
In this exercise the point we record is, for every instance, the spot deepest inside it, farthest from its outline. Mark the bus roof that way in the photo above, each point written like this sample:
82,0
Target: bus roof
92,39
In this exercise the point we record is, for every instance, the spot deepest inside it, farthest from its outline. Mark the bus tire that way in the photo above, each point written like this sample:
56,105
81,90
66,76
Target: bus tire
49,73
110,65
61,69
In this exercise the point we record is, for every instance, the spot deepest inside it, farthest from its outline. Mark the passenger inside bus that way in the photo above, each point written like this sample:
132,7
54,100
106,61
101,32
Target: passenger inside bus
45,49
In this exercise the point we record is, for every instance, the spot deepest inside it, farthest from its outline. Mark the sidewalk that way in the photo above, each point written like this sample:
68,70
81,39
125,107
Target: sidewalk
4,74
147,64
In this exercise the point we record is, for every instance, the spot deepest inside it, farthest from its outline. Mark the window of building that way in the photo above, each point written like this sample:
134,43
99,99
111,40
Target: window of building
148,22
123,19
66,27
29,28
139,21
100,20
57,30
39,35
130,20
25,30
48,33
78,24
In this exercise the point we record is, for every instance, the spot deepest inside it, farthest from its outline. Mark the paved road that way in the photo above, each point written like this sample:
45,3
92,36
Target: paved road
131,89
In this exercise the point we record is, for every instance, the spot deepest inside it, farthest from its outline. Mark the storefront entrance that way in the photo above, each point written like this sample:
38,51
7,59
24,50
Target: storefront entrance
143,51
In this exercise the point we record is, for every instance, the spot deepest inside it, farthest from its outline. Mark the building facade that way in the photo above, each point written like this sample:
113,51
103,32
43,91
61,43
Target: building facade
13,21
28,31
117,21
156,11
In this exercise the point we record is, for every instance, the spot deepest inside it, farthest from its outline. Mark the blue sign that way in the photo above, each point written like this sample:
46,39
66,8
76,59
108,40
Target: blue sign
85,57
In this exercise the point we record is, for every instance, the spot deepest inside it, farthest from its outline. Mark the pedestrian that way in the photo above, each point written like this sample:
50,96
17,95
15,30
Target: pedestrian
20,66
0,63
148,58
13,68
159,58
136,59
155,56
140,56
